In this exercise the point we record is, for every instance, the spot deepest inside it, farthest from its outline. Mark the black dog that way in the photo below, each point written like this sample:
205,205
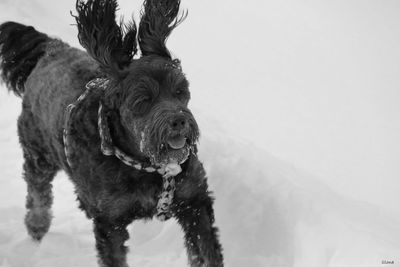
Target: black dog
127,143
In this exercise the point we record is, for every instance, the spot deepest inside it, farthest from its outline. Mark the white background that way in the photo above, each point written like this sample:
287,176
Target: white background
316,83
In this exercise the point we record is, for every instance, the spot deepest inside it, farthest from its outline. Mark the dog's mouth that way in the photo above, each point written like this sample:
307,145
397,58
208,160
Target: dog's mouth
176,142
175,149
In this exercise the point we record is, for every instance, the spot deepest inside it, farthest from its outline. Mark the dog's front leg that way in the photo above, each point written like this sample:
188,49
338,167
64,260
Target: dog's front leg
196,216
110,239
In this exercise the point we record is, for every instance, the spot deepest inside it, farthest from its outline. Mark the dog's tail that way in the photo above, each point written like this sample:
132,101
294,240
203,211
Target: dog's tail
21,47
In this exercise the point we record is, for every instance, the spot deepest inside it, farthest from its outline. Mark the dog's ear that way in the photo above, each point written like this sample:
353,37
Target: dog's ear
112,45
159,18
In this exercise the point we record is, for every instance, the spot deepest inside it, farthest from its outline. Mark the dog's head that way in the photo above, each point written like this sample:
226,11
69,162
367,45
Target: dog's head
152,101
150,93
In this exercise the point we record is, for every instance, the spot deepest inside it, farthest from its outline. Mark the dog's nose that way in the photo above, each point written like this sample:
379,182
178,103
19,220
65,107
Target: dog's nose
178,123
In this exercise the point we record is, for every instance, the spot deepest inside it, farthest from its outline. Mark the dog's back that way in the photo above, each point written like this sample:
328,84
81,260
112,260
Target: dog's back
23,50
47,73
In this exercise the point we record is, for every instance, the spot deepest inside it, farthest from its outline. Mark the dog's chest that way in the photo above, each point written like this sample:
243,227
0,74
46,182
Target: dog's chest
129,204
128,194
137,196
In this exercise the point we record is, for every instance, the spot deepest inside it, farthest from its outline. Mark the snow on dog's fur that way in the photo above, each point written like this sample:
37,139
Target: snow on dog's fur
146,108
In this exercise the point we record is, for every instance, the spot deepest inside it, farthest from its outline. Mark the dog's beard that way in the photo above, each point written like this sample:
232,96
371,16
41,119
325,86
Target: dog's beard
164,146
173,150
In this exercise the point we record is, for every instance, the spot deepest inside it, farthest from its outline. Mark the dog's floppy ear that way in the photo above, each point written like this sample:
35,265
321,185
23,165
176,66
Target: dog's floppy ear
159,18
112,45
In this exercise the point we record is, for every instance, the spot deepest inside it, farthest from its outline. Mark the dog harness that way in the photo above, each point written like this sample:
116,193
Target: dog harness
107,147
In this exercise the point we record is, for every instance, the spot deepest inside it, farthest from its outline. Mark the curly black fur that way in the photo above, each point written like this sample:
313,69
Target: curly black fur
145,97
112,45
20,48
158,20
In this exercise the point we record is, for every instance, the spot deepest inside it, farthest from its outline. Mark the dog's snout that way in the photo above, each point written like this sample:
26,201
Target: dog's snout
178,123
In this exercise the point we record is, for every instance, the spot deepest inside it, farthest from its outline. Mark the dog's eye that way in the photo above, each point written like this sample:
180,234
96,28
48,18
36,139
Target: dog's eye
181,92
145,99
142,104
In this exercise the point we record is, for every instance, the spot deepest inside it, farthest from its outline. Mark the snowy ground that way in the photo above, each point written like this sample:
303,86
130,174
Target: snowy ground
343,211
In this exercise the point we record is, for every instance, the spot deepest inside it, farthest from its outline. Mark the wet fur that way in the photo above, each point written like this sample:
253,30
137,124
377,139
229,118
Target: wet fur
49,74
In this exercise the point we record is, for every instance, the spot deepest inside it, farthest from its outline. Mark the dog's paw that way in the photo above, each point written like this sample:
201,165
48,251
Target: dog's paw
38,223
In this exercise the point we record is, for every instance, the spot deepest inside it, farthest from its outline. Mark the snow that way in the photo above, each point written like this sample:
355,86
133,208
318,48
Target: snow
302,159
